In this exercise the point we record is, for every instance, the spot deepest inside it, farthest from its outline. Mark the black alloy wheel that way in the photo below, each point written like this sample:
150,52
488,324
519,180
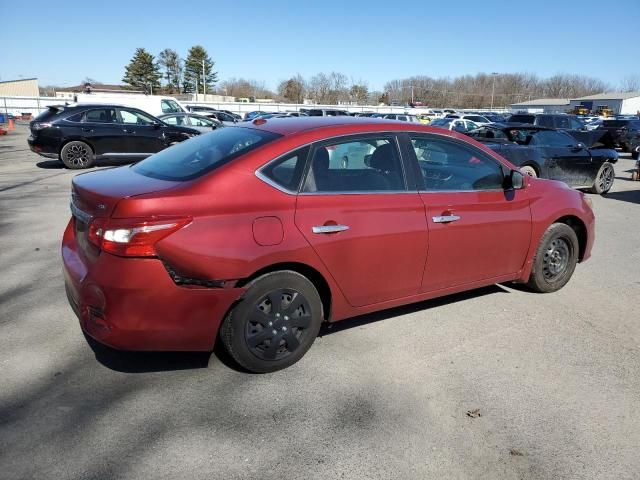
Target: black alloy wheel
76,155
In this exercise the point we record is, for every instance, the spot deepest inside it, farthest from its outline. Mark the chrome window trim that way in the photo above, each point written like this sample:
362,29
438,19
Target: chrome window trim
463,191
80,214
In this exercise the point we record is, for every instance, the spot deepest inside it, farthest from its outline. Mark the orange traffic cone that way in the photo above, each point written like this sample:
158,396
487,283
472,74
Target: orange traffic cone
11,126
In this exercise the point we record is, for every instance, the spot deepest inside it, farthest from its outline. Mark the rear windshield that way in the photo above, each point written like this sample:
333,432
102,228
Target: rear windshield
522,118
615,123
49,114
197,156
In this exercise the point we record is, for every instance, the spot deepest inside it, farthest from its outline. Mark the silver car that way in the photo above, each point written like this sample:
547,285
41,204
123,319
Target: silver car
192,120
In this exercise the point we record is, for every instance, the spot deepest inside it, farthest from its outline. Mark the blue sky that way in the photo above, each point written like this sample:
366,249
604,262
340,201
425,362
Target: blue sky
63,42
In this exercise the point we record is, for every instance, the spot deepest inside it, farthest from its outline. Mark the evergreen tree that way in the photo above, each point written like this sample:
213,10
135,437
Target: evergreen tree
142,72
193,70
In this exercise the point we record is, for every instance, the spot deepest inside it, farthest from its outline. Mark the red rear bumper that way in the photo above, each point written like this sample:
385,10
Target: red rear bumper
133,304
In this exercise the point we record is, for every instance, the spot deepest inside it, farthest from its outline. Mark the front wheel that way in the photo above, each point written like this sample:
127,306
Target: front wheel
604,179
555,259
76,155
274,324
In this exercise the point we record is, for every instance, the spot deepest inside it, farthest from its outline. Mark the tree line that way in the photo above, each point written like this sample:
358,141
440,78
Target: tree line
193,74
170,73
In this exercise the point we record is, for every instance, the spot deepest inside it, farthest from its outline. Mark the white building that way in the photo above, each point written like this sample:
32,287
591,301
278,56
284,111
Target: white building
624,103
542,105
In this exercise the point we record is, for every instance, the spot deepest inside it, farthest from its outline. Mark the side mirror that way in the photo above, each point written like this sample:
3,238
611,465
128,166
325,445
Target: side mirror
155,125
515,181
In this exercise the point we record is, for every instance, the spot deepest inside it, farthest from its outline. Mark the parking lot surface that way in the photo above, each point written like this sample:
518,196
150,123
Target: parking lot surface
498,383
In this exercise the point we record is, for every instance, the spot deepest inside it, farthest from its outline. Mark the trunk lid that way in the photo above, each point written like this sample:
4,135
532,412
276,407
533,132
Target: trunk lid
97,193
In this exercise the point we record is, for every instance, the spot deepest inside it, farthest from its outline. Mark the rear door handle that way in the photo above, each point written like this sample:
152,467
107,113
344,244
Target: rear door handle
329,228
445,218
126,130
87,129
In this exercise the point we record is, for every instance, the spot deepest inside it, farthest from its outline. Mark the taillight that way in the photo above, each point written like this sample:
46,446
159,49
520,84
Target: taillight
40,125
132,237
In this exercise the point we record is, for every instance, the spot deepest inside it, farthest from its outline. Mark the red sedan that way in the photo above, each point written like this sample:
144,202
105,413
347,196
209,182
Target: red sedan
260,233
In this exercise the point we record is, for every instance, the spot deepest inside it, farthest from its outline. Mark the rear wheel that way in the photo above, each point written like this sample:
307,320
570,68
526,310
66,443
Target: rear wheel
77,155
555,259
274,324
529,170
604,179
635,155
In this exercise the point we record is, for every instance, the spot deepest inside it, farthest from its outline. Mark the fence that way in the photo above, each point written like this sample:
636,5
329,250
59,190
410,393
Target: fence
34,105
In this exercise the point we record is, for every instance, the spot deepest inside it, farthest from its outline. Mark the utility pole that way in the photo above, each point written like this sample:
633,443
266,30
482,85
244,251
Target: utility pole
204,81
493,88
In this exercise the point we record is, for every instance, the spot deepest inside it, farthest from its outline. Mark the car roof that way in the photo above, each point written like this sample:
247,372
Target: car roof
505,125
292,125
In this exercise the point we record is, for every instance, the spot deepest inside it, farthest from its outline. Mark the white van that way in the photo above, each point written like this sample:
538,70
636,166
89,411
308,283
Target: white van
153,104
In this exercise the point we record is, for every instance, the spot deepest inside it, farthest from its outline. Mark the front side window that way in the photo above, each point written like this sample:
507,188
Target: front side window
448,165
545,121
199,155
170,106
364,165
134,117
575,123
100,115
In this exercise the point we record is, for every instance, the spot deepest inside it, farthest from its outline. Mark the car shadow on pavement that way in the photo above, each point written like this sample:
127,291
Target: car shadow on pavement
144,362
58,165
631,196
331,328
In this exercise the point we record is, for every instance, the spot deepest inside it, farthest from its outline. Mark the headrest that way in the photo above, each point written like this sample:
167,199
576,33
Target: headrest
383,158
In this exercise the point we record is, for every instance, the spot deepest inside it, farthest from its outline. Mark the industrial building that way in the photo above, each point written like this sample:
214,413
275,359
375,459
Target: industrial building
542,105
24,87
622,103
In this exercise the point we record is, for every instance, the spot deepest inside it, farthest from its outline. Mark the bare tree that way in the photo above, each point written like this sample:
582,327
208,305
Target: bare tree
630,83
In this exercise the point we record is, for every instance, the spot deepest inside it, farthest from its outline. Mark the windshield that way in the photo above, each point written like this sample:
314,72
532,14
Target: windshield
441,123
197,156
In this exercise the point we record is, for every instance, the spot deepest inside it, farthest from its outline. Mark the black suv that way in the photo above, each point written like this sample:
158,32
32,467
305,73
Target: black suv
560,121
80,134
625,131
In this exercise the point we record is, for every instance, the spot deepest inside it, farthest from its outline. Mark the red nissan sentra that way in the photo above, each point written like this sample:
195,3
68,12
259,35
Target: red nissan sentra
260,233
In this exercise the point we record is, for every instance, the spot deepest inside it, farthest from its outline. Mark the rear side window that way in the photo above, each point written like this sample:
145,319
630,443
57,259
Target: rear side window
562,122
195,157
287,171
365,165
100,115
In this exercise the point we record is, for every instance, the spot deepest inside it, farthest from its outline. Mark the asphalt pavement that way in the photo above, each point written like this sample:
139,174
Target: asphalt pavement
498,383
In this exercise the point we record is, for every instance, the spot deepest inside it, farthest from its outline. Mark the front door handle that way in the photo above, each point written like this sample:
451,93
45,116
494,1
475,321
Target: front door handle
445,218
87,130
329,228
127,130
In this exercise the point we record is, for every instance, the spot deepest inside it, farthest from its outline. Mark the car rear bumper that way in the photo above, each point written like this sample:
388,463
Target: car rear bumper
133,304
42,149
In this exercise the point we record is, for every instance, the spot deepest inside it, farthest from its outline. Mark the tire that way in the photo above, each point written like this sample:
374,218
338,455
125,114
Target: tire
635,155
249,330
555,259
604,179
529,170
77,155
